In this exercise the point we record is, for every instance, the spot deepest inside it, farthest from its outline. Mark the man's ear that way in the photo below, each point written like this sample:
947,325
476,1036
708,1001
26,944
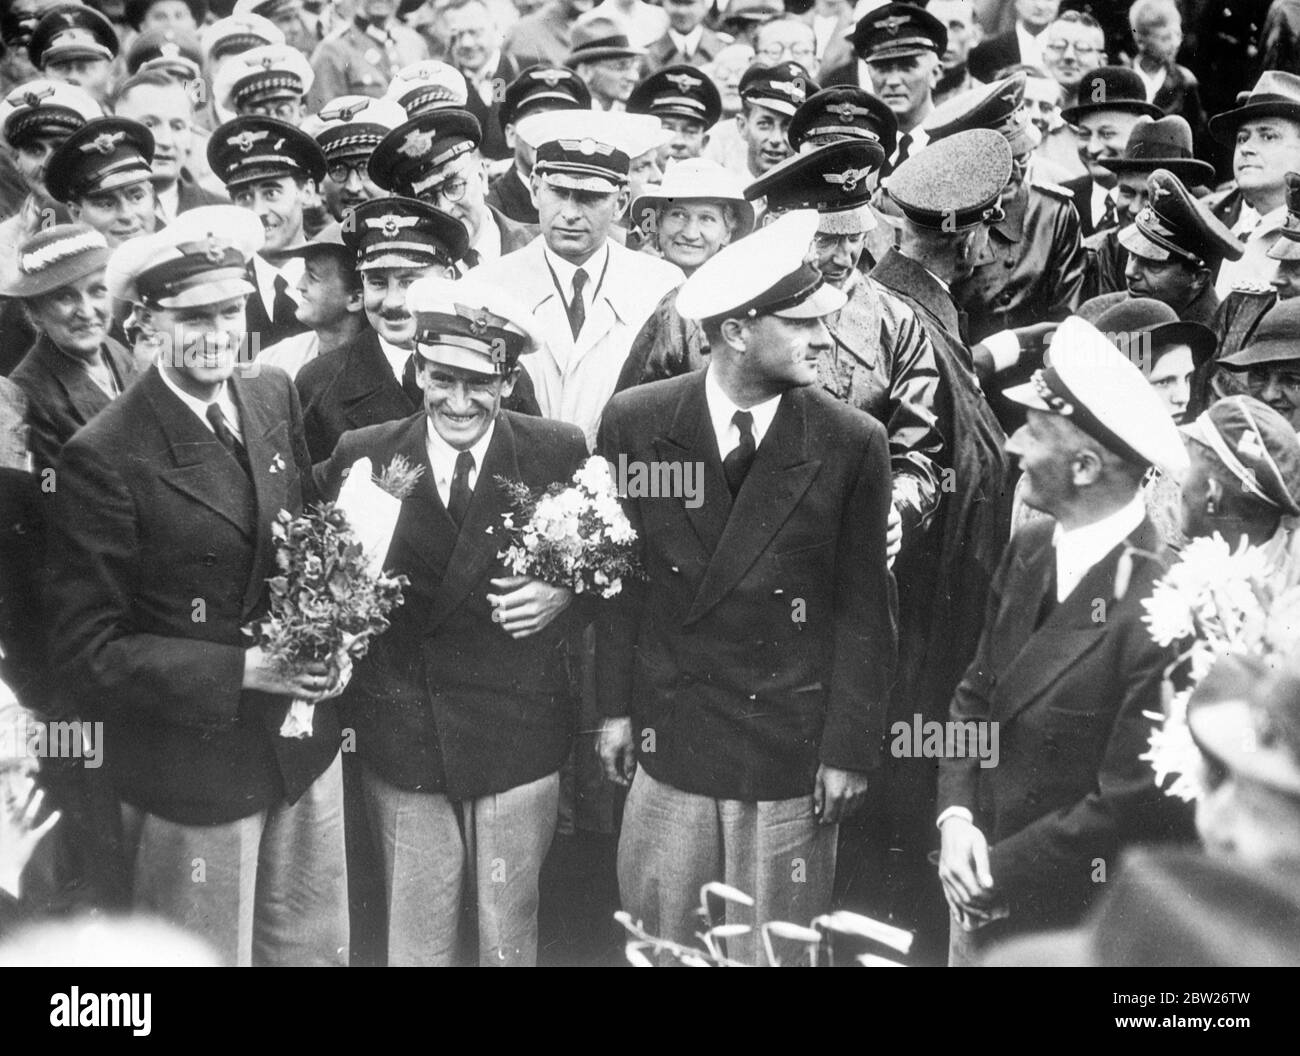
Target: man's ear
704,142
735,333
509,381
1085,467
74,210
356,300
624,200
1200,278
533,183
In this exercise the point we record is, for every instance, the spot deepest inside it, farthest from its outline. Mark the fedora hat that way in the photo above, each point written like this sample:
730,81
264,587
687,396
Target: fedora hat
1276,94
598,39
1162,143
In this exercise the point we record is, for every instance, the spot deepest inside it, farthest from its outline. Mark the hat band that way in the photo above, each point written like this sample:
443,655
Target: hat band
183,273
1060,400
1207,432
1163,236
569,168
259,166
357,139
426,96
499,346
101,176
42,121
902,42
679,102
424,249
55,252
618,40
790,290
852,131
237,44
261,84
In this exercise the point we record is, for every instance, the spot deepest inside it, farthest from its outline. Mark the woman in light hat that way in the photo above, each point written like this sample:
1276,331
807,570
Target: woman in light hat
74,369
699,208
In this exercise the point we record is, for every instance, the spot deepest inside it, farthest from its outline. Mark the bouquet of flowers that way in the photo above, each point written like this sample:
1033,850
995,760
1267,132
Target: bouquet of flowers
571,535
1218,601
331,596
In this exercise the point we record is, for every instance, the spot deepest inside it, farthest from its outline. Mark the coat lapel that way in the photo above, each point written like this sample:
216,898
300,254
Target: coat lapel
690,439
368,391
777,480
423,519
85,397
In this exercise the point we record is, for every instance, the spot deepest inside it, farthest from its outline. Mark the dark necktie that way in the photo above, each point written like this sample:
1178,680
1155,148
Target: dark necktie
904,145
218,422
1048,601
1108,217
409,384
736,465
458,499
472,259
284,308
577,310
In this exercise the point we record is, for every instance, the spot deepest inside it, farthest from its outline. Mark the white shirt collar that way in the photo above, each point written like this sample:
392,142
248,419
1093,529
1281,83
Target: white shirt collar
919,137
1100,196
722,409
442,458
1080,548
200,407
564,270
1031,50
687,44
488,245
265,273
396,357
169,199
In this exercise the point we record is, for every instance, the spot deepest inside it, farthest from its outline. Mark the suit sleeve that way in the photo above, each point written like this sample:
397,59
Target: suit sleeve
43,433
97,550
866,627
1068,264
327,476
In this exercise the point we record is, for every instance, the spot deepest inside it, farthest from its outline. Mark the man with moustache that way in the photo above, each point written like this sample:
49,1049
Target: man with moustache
769,96
687,104
348,130
272,169
164,510
361,57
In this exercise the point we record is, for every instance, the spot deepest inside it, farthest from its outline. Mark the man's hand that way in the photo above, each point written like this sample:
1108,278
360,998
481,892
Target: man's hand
838,794
311,683
19,833
893,534
616,750
964,868
528,606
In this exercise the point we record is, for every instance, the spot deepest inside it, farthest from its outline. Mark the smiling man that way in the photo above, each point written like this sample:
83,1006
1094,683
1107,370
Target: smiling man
271,80
348,130
769,97
687,104
103,173
165,504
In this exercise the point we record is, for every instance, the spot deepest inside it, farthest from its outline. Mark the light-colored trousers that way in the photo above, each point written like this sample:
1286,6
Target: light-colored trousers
270,889
435,847
673,842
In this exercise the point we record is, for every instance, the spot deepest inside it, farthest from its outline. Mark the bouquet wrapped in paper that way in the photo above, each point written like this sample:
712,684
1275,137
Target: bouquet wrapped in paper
572,535
331,596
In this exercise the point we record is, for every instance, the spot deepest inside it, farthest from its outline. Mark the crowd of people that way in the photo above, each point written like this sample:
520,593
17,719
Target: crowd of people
966,318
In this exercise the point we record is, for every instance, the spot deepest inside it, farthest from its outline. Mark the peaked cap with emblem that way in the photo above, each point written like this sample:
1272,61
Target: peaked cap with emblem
1111,88
71,31
678,91
540,88
101,155
174,51
956,183
352,126
236,34
262,74
1257,446
409,158
1287,246
782,88
200,258
893,31
1089,381
843,111
836,179
998,106
252,148
1175,223
428,85
403,233
471,325
589,150
45,108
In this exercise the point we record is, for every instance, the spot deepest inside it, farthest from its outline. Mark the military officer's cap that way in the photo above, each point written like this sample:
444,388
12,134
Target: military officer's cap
409,158
1287,246
1274,339
1276,94
253,147
352,126
843,112
271,9
782,88
1257,446
765,273
262,74
103,154
71,31
470,324
956,183
540,88
134,11
428,85
174,51
894,31
403,233
678,91
237,34
200,258
836,179
45,108
1089,381
1174,223
1111,88
589,150
998,106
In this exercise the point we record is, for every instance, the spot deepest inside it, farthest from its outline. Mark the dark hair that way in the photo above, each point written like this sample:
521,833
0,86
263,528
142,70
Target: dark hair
147,79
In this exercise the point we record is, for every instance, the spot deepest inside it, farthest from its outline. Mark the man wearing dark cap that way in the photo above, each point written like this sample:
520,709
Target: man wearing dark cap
462,800
536,90
608,64
76,44
103,174
1026,833
348,130
394,242
746,736
687,104
769,96
164,511
273,169
175,52
898,48
435,157
1111,100
1174,246
1269,362
361,56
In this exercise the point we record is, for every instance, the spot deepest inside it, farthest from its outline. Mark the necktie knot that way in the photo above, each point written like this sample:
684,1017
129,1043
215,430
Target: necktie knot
736,465
743,421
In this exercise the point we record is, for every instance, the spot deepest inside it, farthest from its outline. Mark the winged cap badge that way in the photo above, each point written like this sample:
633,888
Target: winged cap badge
214,249
105,142
32,98
893,24
847,112
343,112
848,179
550,77
245,140
683,82
416,144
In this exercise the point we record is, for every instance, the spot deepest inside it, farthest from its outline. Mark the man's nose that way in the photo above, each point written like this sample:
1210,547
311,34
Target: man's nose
1131,269
353,182
395,296
1270,390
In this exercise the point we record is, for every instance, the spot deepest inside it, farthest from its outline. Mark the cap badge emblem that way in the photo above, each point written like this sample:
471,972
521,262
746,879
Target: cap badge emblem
587,146
245,140
267,62
794,91
416,144
213,250
893,24
105,142
549,77
1250,446
391,223
343,112
683,82
169,49
1056,402
478,320
846,112
33,99
848,179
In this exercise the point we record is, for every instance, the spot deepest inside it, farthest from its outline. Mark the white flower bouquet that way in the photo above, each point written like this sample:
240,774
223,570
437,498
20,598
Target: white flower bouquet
1218,601
571,535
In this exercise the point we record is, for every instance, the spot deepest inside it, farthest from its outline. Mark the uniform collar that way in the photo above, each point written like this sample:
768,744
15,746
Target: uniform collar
722,410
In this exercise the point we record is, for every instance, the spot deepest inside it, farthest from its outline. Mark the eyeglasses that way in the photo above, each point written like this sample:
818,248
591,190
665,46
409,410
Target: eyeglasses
340,172
286,110
453,190
1059,47
776,52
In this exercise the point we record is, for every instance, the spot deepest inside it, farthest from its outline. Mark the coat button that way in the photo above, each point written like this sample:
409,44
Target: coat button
676,569
753,696
209,560
778,592
1005,298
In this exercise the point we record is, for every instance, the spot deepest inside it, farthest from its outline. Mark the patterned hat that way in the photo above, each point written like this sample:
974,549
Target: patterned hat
101,155
678,91
403,233
540,88
427,85
352,126
252,148
956,183
893,31
1174,223
261,74
71,31
843,112
54,258
782,88
471,325
1257,445
45,108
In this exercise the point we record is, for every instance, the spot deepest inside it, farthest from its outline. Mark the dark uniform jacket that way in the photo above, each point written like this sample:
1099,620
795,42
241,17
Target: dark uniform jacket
190,195
509,194
494,144
762,641
1068,791
162,547
445,700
